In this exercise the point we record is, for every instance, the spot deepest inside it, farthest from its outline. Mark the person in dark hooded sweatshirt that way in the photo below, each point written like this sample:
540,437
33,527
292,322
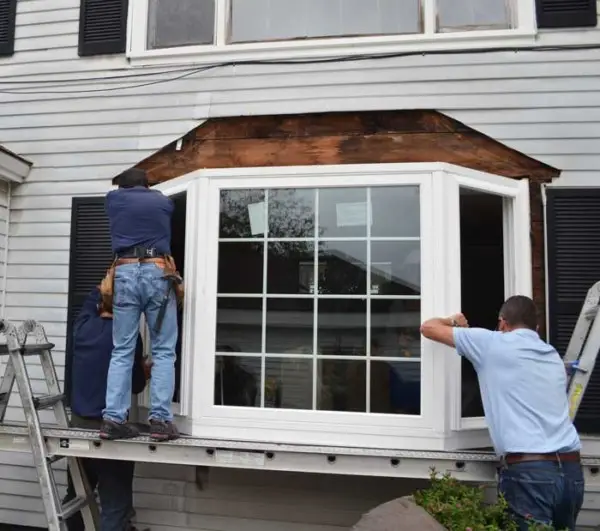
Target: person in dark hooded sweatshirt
91,352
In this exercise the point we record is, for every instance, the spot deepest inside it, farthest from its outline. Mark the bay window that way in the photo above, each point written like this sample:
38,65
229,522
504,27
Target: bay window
281,28
305,290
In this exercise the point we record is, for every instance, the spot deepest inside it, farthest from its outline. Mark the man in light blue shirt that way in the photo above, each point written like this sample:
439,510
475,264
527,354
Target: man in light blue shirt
523,387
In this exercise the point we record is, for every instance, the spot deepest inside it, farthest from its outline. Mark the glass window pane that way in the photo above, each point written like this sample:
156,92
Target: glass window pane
237,381
266,20
395,268
292,213
242,214
239,325
396,387
290,326
180,23
288,383
396,211
341,385
342,212
342,268
290,267
474,14
342,327
240,267
395,328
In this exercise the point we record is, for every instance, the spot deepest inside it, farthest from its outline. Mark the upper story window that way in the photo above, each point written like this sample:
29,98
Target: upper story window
312,28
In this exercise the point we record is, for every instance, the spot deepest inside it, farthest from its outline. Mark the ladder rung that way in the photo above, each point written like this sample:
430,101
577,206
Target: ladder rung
43,402
71,507
29,350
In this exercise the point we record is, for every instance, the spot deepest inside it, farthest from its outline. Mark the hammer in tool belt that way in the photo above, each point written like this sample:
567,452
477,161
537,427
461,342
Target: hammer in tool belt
173,279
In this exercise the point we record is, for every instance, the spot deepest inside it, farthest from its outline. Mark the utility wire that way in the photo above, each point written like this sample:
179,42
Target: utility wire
185,72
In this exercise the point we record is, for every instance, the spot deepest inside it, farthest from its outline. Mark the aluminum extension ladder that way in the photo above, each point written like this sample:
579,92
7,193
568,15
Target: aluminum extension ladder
584,345
17,350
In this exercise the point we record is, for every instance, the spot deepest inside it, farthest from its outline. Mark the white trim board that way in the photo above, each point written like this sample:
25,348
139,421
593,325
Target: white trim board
12,167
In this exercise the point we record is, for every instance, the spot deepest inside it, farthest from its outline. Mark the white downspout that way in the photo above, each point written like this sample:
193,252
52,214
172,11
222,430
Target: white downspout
6,237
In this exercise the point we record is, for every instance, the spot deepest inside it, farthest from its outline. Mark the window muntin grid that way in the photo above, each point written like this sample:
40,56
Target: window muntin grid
350,305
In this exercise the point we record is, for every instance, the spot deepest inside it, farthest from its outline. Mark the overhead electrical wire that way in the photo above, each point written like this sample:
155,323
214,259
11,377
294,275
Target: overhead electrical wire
27,87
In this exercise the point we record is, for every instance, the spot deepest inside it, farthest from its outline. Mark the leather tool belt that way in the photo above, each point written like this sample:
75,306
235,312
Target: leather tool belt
141,255
567,457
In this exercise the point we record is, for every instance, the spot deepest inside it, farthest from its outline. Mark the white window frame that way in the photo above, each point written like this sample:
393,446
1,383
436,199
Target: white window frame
522,34
517,261
182,408
438,427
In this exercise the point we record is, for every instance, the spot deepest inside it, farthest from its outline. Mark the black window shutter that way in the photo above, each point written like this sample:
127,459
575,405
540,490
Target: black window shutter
8,15
102,27
566,13
573,222
90,257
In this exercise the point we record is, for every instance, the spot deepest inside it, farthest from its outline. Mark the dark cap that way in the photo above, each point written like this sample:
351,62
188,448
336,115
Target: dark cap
130,178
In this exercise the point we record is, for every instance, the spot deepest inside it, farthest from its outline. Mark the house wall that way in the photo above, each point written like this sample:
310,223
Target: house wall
545,104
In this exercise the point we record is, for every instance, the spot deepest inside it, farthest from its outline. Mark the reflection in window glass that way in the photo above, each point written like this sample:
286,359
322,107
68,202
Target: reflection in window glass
290,267
395,268
396,211
354,280
288,383
344,269
240,267
289,326
396,387
342,327
292,213
239,324
267,20
180,23
342,212
473,14
242,214
341,385
237,381
395,328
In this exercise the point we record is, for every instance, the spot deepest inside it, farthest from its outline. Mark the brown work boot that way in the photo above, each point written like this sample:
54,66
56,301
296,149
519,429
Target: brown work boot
111,430
162,431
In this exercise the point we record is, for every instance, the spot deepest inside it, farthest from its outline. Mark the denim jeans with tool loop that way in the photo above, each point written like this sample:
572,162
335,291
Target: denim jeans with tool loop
139,289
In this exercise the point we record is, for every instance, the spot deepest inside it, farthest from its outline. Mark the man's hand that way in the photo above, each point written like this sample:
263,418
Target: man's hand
148,368
458,319
440,329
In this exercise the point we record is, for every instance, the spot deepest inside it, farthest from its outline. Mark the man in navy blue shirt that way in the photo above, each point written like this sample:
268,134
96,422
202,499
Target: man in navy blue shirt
140,229
91,351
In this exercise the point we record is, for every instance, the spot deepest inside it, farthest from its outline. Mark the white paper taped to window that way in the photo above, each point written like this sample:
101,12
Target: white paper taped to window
256,212
352,214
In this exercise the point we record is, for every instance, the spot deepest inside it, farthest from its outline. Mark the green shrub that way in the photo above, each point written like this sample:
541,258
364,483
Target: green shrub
461,507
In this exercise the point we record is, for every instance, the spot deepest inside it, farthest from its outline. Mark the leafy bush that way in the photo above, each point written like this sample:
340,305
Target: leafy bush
461,507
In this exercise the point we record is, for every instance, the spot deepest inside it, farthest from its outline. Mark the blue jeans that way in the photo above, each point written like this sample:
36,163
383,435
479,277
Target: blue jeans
545,492
140,289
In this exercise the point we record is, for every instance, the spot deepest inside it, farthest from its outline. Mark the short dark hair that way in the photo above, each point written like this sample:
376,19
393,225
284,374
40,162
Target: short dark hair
131,177
519,311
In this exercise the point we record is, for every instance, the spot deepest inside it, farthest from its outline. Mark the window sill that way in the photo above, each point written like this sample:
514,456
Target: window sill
322,49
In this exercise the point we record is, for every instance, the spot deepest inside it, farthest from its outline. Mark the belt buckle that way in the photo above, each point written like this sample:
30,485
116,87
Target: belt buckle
151,253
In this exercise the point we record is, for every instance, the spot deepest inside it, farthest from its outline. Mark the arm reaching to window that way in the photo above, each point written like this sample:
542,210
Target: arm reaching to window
441,329
454,331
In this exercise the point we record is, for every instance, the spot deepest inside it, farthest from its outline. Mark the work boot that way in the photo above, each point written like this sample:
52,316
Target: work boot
161,431
111,430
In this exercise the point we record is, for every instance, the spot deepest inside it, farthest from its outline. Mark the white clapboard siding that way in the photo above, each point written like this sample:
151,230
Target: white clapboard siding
544,104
